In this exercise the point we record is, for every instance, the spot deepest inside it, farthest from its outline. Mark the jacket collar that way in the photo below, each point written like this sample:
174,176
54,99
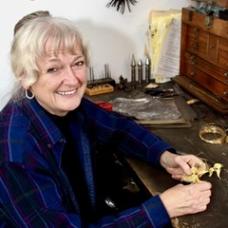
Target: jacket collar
51,136
42,123
45,130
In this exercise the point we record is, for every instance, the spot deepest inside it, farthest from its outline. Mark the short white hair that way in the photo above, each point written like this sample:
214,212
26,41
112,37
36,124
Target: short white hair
29,44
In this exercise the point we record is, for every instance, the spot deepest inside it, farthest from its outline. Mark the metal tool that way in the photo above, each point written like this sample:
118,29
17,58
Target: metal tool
91,77
107,71
140,72
147,69
133,71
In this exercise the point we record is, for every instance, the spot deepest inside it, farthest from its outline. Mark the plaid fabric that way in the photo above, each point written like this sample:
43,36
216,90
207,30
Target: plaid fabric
34,190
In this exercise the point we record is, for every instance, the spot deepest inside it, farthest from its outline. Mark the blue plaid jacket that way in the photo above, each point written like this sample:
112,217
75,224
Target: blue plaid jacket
34,190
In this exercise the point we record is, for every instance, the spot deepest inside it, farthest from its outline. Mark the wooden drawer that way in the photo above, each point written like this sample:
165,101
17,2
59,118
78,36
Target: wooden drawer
216,87
197,41
208,46
203,94
204,58
217,26
223,53
214,71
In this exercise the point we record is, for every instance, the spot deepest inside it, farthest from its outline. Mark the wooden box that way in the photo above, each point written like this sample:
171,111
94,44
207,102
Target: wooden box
204,58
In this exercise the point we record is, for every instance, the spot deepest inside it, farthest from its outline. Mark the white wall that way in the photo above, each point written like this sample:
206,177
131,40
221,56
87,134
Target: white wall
112,37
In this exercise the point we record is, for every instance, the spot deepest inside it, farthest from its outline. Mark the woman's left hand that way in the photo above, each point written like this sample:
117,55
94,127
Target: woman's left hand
180,165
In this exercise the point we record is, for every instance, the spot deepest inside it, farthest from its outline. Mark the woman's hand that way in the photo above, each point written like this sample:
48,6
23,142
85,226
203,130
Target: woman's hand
179,165
186,199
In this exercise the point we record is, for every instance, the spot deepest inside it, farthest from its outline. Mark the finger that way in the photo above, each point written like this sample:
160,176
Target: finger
186,162
177,177
181,161
202,208
195,161
175,171
204,201
202,186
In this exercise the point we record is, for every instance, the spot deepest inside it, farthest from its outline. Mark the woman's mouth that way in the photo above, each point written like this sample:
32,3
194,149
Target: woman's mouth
67,93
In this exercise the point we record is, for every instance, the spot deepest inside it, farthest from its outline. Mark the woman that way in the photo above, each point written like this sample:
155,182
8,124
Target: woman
49,138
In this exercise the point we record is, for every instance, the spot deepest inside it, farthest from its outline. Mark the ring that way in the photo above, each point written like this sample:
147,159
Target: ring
213,133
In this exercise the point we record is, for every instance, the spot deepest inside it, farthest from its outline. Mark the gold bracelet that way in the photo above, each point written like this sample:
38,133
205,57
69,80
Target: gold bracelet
213,133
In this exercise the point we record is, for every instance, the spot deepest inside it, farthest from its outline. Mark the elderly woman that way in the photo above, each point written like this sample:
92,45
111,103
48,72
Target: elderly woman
49,136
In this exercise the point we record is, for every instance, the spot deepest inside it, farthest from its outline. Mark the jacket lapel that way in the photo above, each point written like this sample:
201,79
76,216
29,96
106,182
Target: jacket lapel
52,144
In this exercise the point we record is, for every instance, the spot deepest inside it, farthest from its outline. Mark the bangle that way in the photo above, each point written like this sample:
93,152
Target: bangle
213,133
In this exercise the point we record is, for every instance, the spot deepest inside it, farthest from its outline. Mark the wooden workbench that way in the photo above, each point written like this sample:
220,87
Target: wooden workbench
188,141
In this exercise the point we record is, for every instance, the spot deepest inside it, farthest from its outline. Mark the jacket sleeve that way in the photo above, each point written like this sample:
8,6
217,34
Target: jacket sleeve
129,137
32,199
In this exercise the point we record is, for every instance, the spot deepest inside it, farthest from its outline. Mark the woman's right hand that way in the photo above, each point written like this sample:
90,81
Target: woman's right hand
186,199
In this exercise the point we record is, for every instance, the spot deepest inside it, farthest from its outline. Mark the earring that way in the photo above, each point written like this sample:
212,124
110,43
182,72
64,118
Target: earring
29,94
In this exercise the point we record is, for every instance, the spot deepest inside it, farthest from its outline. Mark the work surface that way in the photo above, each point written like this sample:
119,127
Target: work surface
187,140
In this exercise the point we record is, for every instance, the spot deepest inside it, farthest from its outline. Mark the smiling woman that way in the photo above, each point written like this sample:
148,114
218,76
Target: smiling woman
50,143
62,83
26,47
55,71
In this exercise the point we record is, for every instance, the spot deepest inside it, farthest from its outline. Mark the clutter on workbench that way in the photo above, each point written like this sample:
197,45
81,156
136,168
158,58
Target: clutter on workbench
99,86
140,72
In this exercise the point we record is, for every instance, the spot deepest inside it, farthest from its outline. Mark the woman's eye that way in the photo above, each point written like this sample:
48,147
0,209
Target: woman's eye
52,70
79,63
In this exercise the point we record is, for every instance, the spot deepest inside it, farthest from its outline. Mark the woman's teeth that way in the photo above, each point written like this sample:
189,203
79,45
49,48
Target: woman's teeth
64,93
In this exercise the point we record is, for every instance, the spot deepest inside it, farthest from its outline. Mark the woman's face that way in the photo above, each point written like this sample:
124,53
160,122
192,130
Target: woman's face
61,82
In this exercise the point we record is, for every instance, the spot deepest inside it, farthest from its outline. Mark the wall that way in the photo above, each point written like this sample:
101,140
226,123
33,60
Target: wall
112,37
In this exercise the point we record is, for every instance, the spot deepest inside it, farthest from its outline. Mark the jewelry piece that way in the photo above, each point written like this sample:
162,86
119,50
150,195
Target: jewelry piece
29,96
198,172
213,133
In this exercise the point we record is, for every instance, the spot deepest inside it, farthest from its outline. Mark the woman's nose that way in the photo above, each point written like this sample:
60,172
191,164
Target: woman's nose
71,76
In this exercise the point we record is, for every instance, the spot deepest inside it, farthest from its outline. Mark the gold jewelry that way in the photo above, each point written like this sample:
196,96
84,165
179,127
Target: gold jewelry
213,133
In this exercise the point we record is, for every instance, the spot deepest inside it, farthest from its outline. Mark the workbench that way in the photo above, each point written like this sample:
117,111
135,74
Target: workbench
187,140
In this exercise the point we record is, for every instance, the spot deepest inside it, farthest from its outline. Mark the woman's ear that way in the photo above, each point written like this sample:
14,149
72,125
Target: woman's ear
24,82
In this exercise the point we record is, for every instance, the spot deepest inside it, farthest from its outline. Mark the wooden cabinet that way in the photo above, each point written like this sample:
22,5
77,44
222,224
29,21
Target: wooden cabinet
222,3
204,58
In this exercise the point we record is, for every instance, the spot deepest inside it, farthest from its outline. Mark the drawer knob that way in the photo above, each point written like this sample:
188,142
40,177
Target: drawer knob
226,74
